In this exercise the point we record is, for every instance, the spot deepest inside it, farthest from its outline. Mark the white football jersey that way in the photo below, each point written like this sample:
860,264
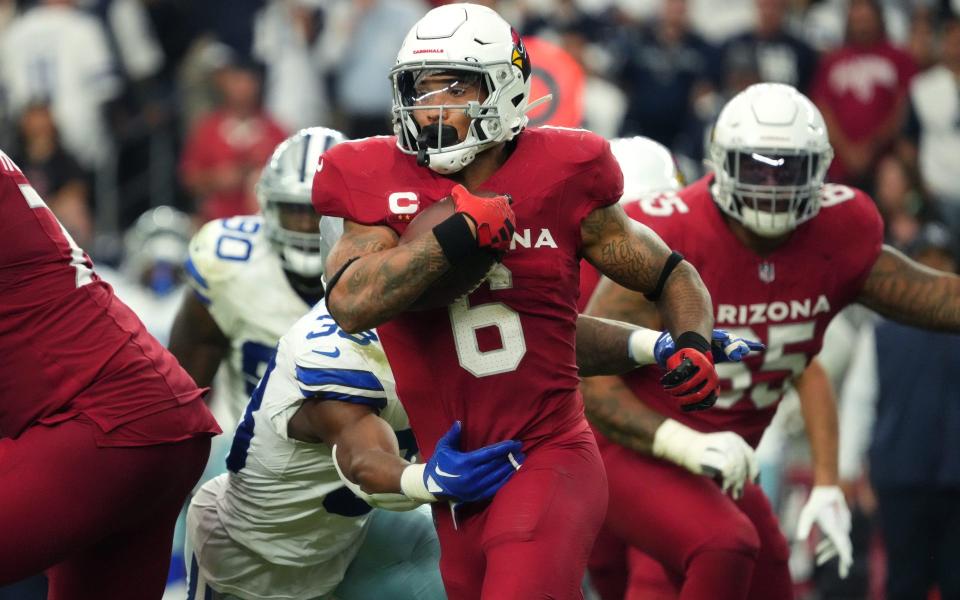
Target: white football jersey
282,499
236,273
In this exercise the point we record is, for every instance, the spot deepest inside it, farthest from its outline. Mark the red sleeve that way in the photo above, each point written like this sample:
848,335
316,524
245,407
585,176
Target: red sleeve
602,183
331,196
870,240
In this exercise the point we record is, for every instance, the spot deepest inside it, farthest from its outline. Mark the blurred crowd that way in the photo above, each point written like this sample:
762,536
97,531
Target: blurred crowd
114,108
117,106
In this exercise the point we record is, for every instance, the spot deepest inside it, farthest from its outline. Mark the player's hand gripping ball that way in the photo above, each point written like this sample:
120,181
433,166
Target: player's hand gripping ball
468,274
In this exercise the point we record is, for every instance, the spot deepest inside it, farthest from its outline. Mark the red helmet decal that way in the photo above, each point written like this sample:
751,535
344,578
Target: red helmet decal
520,58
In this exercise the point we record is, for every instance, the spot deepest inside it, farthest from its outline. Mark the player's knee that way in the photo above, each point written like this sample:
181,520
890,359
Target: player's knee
736,534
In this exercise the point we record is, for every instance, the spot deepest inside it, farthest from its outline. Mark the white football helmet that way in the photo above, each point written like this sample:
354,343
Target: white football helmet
286,185
770,153
648,167
475,43
156,247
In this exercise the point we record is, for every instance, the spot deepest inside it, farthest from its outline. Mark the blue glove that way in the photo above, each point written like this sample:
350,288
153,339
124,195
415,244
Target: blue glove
723,346
463,476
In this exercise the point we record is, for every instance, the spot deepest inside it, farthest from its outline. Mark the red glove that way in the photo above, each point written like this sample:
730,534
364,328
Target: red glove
692,379
492,217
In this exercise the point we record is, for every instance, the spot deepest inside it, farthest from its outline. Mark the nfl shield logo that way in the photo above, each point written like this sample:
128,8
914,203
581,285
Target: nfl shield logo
767,273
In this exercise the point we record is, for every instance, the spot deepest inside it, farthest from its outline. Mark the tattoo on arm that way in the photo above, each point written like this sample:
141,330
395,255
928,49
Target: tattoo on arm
613,409
622,249
632,255
905,291
385,280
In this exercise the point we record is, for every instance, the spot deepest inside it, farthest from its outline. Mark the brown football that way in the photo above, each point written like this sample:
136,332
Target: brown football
457,281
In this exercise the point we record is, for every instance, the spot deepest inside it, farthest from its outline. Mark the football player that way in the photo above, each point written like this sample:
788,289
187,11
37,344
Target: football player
102,433
501,360
254,276
150,279
799,251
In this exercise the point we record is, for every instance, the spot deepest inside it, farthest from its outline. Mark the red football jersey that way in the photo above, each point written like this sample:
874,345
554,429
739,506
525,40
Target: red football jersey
784,299
503,359
69,346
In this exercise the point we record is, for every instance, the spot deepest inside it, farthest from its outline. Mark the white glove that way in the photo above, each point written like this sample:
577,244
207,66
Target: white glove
828,509
394,502
724,455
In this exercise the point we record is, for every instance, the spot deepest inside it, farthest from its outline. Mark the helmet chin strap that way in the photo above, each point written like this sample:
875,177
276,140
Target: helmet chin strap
435,135
538,102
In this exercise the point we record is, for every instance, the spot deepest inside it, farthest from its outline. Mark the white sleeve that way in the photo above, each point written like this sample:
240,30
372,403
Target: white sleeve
858,404
330,367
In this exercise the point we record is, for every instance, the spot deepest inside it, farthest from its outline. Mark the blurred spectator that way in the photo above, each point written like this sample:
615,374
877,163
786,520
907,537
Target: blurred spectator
716,26
287,41
933,127
901,393
779,56
225,151
604,103
229,21
900,200
921,43
862,91
57,52
667,72
54,173
824,22
363,39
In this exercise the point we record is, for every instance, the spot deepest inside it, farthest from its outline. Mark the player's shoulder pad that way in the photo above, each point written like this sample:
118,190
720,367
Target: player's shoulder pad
585,159
220,250
845,210
318,343
569,145
345,166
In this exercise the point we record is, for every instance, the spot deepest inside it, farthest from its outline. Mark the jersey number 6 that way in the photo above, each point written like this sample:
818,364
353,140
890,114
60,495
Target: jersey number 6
467,320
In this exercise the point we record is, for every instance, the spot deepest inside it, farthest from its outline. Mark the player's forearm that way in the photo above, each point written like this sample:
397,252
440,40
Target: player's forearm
613,409
376,287
685,303
603,347
905,291
819,407
368,455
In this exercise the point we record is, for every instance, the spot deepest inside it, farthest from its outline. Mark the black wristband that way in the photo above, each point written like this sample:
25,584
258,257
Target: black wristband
692,339
673,260
456,241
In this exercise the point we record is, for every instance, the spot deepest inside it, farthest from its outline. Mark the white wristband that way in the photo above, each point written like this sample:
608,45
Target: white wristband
674,441
641,344
412,486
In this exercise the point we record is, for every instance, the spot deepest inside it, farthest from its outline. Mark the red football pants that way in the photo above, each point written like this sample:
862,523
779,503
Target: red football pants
710,547
532,540
98,520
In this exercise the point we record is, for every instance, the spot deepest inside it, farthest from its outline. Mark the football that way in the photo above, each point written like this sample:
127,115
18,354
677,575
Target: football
459,280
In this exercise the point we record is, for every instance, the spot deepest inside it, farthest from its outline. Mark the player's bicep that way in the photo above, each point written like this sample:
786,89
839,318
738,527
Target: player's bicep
622,249
901,289
321,420
197,341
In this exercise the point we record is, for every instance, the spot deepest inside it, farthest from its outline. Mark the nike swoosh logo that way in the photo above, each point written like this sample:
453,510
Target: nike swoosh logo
333,354
443,473
320,166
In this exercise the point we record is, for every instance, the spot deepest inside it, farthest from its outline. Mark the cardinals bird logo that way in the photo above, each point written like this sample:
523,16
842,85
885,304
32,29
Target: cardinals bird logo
520,59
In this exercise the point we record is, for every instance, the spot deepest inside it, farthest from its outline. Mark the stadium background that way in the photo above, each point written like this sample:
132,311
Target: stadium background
116,107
